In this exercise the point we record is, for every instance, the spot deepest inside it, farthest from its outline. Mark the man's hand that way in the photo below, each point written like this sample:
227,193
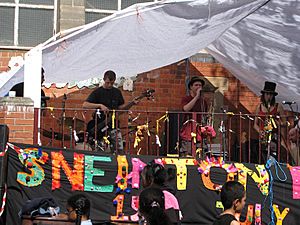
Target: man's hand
136,101
198,94
103,108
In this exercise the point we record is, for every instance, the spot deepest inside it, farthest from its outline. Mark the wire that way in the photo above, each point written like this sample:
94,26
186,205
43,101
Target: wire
272,162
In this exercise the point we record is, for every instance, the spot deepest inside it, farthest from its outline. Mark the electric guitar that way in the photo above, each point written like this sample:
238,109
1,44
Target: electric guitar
97,127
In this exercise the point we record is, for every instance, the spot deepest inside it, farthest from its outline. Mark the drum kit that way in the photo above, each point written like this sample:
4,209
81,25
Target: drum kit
76,130
76,133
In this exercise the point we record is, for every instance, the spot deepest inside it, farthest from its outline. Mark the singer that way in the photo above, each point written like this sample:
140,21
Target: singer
194,102
266,123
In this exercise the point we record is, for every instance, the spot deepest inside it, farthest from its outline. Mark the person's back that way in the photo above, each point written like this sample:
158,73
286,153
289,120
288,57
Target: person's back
19,89
225,219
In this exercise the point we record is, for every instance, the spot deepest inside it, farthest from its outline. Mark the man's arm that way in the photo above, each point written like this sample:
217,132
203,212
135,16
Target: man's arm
187,107
89,105
90,102
256,124
282,114
128,105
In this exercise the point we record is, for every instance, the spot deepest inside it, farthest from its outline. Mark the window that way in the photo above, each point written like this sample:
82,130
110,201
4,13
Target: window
7,15
102,4
98,9
127,3
26,23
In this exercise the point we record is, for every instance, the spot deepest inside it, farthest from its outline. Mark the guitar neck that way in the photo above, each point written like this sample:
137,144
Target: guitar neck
129,105
132,103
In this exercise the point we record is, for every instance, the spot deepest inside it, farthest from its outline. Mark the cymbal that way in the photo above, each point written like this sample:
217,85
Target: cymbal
69,121
56,135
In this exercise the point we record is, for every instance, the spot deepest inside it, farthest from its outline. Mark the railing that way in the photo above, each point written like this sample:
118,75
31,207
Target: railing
162,133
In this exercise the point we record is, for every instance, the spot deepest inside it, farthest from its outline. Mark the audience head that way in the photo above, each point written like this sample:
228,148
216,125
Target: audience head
233,196
152,206
153,173
78,207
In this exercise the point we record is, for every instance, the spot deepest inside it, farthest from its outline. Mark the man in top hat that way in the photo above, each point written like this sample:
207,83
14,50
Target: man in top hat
265,122
194,102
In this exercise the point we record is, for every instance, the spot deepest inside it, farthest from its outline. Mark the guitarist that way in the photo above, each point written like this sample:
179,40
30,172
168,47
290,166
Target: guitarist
106,98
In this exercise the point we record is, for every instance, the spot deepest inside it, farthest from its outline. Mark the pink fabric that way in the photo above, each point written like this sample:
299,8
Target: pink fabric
170,201
295,172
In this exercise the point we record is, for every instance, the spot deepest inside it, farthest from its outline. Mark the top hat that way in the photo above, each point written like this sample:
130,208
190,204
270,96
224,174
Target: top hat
269,88
195,79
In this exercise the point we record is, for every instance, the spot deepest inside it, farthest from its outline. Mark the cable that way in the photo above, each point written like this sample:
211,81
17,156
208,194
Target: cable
272,162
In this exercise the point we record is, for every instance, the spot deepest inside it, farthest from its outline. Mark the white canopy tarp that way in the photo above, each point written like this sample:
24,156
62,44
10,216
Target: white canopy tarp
265,46
147,36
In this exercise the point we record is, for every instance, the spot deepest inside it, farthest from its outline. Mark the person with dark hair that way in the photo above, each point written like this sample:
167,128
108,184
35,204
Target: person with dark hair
155,175
105,98
294,138
19,89
78,208
265,122
233,198
194,102
152,207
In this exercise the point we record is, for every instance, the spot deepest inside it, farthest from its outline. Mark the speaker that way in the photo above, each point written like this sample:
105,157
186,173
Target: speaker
4,132
171,131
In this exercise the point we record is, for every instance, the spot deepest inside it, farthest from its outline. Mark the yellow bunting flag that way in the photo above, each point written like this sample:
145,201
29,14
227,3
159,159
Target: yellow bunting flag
113,117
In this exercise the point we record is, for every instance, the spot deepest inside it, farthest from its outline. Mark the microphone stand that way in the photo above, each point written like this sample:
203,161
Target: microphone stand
223,131
296,125
296,115
269,135
62,119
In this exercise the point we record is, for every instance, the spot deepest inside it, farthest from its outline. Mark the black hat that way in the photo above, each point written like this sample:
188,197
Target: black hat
269,88
195,79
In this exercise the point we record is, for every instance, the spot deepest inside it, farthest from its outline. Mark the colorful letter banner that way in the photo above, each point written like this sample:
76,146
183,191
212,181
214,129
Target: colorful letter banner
113,183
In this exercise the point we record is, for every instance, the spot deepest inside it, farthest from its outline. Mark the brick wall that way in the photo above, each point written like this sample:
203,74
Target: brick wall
168,82
169,85
5,56
18,114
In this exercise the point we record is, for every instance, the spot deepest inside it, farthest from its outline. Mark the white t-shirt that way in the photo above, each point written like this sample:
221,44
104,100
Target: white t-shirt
86,222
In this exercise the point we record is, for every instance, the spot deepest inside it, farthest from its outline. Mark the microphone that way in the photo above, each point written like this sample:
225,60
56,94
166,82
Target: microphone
288,103
46,98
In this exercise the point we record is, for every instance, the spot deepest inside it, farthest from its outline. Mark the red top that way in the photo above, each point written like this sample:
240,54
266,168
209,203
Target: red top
200,105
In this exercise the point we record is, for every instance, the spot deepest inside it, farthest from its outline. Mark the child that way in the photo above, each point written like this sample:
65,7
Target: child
155,175
233,198
78,207
152,207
